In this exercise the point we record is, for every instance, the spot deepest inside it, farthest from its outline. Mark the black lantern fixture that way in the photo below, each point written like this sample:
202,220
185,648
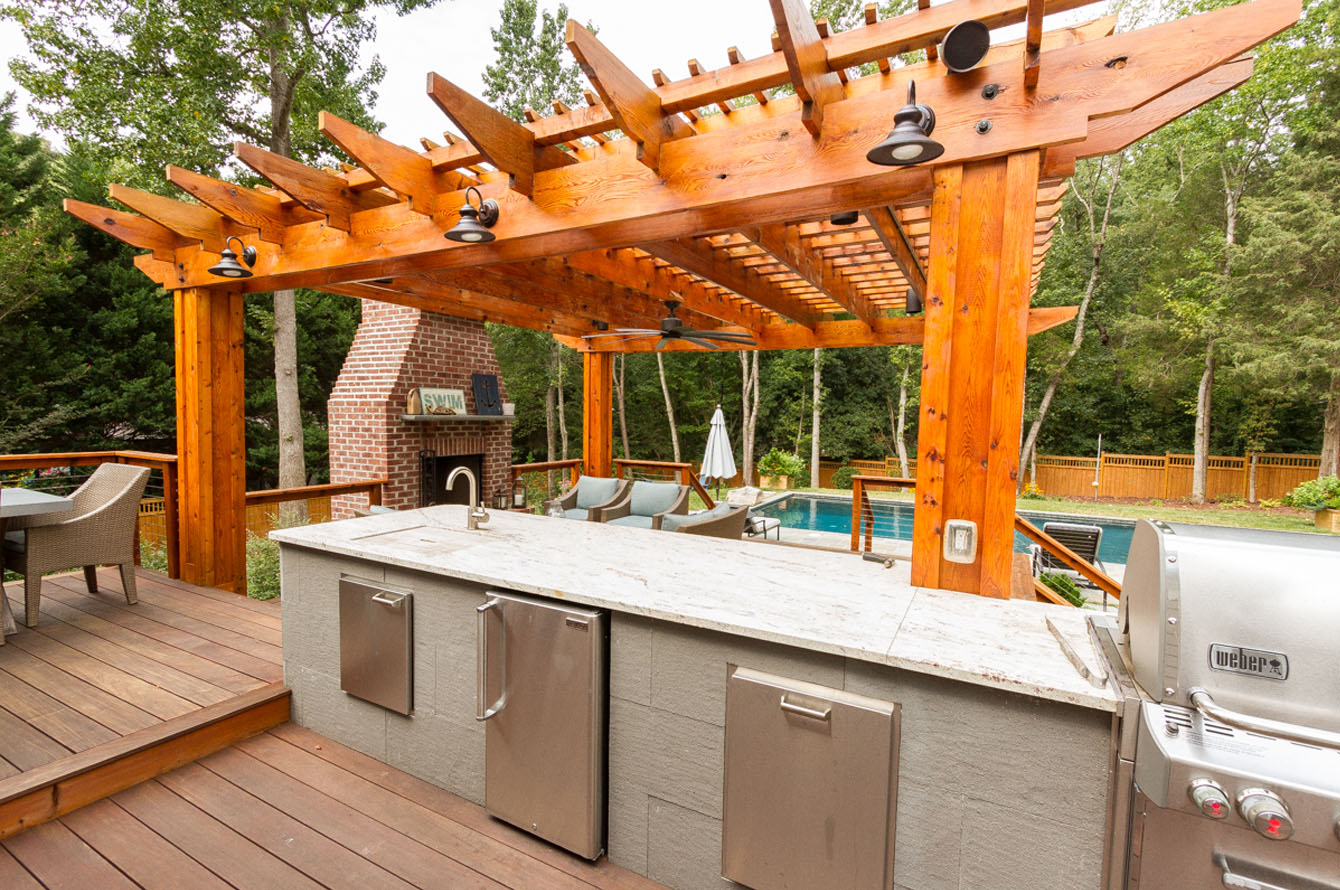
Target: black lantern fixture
475,222
912,302
909,142
845,218
518,495
500,498
228,266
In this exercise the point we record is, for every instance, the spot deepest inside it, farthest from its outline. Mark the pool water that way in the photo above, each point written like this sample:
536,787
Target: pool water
893,519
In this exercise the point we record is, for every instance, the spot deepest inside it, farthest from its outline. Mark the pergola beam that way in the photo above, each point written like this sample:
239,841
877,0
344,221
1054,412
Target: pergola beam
402,170
783,242
633,106
806,61
130,228
318,191
890,231
244,206
701,260
192,221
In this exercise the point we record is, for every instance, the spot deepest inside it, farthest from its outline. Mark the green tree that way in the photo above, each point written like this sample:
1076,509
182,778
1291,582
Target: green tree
152,82
533,67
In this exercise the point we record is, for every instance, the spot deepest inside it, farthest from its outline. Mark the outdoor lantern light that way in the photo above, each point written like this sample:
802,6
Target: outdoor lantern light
500,498
909,142
518,495
845,218
228,266
965,46
912,302
475,222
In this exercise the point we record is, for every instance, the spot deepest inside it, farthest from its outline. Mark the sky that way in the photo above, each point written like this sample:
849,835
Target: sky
452,39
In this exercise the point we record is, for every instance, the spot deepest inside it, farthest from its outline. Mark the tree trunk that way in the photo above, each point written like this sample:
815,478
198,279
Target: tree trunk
669,407
1251,478
550,433
560,408
1330,433
900,427
816,397
1201,456
621,362
749,412
1097,241
288,406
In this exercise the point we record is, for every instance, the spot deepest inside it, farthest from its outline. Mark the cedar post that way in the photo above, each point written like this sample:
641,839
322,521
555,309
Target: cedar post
972,377
211,446
597,413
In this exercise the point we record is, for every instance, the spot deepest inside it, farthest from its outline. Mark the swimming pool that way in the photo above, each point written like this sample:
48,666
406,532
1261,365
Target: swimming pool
893,519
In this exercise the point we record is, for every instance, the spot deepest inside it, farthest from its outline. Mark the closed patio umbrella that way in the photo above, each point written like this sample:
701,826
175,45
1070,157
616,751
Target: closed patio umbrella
718,462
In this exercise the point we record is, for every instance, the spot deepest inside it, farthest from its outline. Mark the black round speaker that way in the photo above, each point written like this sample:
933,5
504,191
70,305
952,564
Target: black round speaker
965,46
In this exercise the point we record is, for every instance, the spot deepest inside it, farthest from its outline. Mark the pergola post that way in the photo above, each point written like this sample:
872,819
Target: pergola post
597,413
972,378
211,445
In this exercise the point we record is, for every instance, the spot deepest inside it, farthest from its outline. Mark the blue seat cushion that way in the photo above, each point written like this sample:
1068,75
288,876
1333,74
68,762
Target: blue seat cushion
576,513
650,498
675,520
16,542
632,521
595,490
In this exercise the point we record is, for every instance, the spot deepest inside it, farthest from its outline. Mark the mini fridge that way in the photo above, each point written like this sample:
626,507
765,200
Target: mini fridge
542,694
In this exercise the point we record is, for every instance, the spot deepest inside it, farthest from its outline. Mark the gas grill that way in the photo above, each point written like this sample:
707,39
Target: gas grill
1233,637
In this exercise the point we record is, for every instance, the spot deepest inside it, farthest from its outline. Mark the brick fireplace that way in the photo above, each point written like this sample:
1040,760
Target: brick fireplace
396,349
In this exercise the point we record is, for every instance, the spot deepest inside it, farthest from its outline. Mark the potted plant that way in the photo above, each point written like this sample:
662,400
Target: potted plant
1321,495
778,468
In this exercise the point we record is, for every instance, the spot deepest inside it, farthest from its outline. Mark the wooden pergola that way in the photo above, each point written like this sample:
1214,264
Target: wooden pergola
711,192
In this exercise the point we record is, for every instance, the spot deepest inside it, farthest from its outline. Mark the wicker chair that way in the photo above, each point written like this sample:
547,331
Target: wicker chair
722,521
99,531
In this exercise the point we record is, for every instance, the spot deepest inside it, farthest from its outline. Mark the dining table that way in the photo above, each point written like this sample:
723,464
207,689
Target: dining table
16,503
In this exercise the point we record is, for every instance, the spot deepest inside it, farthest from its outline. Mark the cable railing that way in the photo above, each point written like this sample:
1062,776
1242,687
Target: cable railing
863,512
1072,560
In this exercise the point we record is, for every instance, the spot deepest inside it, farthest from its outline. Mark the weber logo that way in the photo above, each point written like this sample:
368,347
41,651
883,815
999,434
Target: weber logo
1254,662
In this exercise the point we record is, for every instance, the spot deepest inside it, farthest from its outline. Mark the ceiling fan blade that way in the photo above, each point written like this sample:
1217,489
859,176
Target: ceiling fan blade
622,332
701,342
723,336
660,344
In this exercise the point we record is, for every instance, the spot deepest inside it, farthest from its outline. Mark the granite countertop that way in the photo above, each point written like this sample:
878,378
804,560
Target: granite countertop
813,599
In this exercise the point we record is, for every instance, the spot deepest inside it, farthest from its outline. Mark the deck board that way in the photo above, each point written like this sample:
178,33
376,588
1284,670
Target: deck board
279,810
96,669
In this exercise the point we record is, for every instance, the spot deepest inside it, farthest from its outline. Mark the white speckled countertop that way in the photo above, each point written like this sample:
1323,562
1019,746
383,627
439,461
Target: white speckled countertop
819,600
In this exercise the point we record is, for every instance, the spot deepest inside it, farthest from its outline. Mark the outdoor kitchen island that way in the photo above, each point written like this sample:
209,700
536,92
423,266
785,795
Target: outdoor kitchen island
1002,760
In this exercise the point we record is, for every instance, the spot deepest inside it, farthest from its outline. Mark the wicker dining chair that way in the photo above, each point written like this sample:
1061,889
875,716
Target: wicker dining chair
100,530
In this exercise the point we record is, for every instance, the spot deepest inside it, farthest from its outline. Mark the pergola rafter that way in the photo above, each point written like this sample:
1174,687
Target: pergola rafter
712,193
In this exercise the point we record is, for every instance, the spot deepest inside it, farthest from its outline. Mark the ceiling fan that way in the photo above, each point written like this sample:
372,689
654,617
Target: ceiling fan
672,328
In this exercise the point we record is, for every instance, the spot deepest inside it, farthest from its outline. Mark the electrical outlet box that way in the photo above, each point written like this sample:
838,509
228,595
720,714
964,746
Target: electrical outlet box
960,541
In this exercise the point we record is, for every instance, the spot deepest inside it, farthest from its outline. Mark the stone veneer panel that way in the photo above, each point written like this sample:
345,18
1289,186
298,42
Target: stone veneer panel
396,349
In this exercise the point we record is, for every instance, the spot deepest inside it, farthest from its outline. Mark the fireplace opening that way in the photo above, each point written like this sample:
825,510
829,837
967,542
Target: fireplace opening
434,470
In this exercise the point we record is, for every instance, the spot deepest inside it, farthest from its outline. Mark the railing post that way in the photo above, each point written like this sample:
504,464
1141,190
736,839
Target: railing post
171,538
375,494
856,488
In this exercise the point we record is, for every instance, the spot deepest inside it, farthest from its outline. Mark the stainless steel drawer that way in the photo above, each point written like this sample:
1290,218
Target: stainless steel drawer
811,786
377,644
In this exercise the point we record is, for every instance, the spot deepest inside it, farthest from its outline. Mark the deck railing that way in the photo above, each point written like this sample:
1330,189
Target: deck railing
665,469
552,488
1069,558
862,512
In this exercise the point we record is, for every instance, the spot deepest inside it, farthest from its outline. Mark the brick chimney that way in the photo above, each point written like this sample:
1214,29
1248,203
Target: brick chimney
396,349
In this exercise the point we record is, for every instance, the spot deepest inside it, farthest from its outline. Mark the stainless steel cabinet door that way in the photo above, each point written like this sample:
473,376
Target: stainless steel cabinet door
810,786
543,695
377,644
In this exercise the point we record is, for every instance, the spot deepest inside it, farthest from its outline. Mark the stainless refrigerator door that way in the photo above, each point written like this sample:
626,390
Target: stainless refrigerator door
542,693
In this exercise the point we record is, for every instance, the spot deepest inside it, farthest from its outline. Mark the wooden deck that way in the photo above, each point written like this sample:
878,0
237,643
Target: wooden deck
292,809
96,669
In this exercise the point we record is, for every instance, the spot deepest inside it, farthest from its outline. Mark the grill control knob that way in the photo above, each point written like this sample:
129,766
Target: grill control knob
1265,812
1211,799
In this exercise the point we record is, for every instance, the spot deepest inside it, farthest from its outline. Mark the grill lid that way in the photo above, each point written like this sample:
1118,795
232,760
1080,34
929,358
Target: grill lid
1251,616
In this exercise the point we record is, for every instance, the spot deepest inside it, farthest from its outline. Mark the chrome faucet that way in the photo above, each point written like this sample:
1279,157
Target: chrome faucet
477,514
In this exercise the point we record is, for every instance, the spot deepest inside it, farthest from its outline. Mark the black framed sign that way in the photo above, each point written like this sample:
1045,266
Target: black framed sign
487,398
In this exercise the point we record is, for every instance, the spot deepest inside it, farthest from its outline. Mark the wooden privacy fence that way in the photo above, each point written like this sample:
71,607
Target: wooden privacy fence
1166,476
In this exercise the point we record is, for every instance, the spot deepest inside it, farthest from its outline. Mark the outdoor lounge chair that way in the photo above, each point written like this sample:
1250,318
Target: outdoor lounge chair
591,496
99,531
644,504
1083,539
722,521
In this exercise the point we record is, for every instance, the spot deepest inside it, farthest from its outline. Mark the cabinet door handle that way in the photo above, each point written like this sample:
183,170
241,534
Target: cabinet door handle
802,711
482,660
1235,881
394,600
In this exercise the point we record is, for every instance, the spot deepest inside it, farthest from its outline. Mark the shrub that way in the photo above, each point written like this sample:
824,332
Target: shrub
781,463
1031,492
1316,494
1067,588
154,557
262,567
842,478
